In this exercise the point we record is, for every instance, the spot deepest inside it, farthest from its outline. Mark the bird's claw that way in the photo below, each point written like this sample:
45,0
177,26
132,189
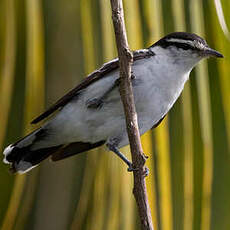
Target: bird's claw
131,168
145,156
146,172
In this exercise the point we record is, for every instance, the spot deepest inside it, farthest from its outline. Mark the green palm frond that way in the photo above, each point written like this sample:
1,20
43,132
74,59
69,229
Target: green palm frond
188,185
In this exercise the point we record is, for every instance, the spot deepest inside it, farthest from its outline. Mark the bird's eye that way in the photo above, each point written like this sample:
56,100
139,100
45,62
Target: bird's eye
184,46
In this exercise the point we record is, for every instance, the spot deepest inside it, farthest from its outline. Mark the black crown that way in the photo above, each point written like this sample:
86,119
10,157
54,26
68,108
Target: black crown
165,41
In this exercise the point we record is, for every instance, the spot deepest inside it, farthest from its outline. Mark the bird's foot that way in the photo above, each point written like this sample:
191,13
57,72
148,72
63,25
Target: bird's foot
145,156
146,171
131,168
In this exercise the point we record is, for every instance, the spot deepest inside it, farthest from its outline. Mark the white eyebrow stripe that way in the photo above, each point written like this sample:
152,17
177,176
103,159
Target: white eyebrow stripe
181,41
195,44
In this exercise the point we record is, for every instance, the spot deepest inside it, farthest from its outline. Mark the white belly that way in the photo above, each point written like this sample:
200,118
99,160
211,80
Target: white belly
154,96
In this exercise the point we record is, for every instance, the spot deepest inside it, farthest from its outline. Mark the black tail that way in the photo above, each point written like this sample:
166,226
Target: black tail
23,157
25,154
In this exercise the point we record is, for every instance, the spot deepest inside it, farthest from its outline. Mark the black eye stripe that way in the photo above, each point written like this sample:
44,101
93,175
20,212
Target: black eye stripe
184,46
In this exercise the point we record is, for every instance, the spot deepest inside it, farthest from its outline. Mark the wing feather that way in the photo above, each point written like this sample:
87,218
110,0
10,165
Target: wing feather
73,149
91,78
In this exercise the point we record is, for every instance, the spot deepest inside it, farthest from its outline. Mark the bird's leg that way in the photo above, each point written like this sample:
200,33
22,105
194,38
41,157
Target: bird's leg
95,103
114,149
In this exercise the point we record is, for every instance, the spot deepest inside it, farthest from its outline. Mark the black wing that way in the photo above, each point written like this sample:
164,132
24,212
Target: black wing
94,76
73,149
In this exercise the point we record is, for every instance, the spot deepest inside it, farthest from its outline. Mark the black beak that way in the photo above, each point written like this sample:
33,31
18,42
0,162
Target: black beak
212,53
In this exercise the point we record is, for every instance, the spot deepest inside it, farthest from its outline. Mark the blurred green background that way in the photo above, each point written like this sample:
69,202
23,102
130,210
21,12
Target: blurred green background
46,48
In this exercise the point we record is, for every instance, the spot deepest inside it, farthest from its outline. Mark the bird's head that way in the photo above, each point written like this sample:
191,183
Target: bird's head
184,48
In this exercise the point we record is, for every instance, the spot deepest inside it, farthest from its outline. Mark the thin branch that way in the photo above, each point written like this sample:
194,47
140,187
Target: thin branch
138,158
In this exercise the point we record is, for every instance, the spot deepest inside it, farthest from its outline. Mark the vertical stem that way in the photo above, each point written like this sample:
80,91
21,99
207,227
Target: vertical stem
125,62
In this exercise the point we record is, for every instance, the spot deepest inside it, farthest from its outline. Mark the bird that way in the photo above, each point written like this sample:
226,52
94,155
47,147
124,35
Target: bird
92,115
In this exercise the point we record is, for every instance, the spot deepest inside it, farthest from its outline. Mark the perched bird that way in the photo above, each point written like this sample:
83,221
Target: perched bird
92,114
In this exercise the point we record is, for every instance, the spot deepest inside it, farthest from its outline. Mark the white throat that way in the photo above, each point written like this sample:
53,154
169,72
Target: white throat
182,60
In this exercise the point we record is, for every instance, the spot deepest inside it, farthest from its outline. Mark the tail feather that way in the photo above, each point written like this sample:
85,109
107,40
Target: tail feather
22,157
6,152
28,152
